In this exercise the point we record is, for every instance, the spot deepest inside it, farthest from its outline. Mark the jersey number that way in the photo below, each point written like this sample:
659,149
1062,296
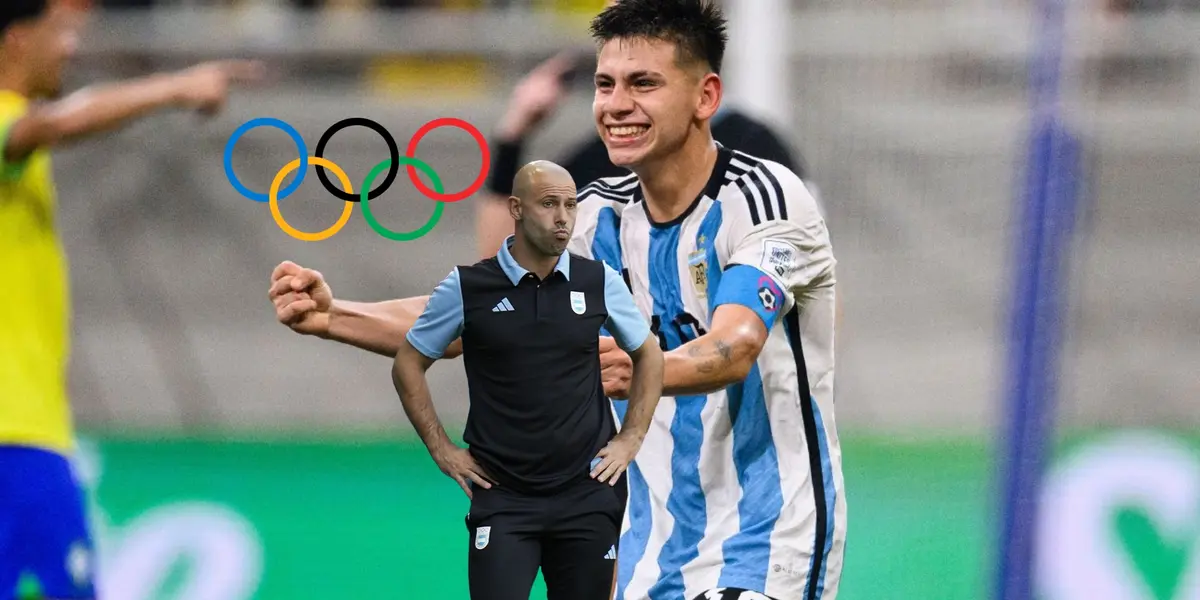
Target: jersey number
687,326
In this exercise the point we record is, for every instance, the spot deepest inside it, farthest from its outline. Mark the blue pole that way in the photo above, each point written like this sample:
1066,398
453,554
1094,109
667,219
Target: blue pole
1047,212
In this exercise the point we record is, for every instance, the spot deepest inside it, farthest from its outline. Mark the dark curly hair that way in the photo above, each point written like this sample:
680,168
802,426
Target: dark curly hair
696,27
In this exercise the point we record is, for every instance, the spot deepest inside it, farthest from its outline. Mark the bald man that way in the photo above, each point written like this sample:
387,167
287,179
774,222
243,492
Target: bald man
544,466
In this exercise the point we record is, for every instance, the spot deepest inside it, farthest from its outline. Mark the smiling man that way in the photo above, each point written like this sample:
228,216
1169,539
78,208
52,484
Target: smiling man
737,491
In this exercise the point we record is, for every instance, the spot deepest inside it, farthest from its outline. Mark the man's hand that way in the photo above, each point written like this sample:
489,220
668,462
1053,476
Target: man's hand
616,369
301,297
461,467
205,87
537,96
615,457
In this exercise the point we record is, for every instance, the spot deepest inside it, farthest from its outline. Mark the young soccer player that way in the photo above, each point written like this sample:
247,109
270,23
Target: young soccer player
43,528
738,489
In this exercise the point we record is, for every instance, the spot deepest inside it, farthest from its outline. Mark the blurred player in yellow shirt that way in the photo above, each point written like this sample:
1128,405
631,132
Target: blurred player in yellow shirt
43,529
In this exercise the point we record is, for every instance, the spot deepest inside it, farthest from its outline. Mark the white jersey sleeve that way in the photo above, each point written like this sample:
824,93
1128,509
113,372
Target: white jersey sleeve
781,232
775,242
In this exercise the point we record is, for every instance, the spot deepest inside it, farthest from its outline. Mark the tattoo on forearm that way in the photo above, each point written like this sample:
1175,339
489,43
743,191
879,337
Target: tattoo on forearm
718,356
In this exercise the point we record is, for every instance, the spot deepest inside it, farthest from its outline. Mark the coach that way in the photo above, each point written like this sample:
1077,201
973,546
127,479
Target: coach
544,467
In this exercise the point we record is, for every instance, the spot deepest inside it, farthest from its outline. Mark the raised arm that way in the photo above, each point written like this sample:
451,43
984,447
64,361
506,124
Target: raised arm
379,327
104,107
304,302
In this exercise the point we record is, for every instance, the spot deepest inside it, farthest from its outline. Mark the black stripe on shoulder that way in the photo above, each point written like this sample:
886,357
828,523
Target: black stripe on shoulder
589,191
769,198
622,190
778,189
751,201
621,185
767,190
736,168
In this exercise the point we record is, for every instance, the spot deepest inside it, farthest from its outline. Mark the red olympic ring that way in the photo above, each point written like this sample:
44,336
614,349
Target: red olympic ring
483,150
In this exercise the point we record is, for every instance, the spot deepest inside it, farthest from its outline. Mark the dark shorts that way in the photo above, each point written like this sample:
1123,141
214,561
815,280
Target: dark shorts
571,535
43,526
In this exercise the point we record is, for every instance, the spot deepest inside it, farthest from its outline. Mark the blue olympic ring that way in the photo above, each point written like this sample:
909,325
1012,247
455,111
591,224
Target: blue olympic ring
265,122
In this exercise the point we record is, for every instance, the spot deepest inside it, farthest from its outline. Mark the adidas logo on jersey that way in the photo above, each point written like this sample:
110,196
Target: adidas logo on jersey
611,554
503,306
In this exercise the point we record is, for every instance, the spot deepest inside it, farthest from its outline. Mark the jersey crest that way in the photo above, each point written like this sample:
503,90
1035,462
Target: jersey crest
698,269
578,303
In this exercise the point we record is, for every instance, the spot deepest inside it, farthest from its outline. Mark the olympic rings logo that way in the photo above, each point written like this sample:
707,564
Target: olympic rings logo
365,193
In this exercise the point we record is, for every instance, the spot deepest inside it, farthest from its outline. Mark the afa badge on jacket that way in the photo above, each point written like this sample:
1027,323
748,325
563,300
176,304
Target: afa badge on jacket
578,303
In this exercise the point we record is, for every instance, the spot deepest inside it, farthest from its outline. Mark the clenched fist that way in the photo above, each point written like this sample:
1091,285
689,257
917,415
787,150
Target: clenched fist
616,369
301,297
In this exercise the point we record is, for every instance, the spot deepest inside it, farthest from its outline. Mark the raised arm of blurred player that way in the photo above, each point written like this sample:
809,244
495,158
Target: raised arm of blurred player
105,107
535,98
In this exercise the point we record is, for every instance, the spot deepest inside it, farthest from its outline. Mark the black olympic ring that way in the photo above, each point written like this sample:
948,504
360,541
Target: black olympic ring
393,151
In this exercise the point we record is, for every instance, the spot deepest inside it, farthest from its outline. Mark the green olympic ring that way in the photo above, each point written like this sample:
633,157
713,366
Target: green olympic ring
439,206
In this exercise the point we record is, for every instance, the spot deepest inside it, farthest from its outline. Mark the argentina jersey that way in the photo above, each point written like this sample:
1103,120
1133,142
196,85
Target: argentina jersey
741,487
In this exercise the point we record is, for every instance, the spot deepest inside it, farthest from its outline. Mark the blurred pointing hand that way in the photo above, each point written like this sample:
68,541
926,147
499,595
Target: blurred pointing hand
537,96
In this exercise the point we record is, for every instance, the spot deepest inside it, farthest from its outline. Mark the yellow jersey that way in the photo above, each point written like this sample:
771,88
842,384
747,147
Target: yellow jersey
34,303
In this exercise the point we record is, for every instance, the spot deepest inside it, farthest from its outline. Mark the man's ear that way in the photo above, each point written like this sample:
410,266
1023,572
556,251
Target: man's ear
711,94
514,207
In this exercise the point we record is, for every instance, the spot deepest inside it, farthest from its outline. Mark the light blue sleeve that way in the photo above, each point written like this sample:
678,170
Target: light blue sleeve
753,288
625,322
442,320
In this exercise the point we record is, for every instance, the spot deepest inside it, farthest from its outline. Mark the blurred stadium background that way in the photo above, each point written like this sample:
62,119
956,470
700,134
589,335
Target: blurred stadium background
230,459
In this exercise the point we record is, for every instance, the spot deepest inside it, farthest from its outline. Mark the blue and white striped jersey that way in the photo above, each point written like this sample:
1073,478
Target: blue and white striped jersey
742,487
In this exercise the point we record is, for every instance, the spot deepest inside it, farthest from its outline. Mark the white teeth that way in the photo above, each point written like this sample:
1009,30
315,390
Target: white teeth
627,130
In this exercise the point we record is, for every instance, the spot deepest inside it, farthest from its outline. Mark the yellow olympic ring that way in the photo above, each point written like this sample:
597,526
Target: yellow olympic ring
273,198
